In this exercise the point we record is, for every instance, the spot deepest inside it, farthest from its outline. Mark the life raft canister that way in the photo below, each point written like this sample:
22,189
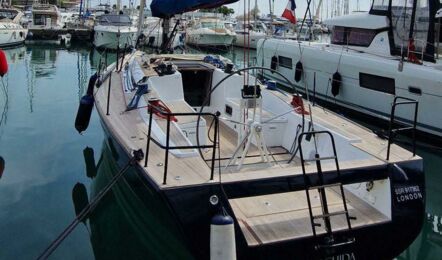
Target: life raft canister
336,83
274,63
299,69
3,63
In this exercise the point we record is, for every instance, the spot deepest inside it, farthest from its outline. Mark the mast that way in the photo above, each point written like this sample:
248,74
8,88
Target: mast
318,9
141,18
271,17
118,6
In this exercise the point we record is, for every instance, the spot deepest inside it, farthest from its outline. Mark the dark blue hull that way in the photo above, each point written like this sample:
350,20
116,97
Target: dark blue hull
192,212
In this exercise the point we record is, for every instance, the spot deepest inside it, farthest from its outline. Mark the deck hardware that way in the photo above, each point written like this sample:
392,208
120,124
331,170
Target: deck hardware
393,131
153,109
325,216
214,200
369,185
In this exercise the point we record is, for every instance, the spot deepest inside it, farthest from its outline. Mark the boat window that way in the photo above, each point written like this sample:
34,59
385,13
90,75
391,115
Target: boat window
353,36
338,35
114,20
10,14
285,62
361,37
380,5
212,25
378,83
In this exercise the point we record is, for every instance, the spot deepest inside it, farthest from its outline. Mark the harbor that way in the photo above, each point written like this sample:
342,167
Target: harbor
225,138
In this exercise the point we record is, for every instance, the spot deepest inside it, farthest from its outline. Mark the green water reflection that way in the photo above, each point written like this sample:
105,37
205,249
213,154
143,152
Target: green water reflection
44,160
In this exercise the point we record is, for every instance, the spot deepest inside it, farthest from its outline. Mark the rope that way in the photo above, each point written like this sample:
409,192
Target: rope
137,156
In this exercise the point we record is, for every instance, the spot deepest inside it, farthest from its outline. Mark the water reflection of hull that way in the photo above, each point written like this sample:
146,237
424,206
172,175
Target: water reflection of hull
132,222
192,217
429,243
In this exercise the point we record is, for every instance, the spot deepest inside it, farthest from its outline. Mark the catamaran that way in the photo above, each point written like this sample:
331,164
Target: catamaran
372,58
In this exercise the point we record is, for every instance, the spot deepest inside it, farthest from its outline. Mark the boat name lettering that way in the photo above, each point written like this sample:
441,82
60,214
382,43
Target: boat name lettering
347,256
408,193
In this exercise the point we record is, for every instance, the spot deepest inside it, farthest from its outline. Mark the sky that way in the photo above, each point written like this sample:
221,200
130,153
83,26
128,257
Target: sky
263,5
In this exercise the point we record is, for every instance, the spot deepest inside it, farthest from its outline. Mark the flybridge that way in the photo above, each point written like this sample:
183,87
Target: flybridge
168,8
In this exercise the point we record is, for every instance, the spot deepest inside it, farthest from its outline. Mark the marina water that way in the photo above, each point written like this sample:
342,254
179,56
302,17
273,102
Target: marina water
44,160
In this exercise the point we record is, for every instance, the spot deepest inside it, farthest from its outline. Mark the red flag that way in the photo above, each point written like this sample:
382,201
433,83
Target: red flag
289,11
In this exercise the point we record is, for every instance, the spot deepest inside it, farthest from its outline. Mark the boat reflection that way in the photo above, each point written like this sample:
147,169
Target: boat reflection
429,243
4,104
14,55
125,225
96,57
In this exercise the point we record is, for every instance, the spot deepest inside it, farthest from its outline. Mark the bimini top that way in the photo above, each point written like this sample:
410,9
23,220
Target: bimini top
168,8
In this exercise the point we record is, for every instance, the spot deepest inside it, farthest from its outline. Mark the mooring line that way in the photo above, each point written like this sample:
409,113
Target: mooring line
137,156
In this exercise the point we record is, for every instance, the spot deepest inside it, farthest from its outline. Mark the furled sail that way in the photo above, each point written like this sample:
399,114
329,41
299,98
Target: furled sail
168,8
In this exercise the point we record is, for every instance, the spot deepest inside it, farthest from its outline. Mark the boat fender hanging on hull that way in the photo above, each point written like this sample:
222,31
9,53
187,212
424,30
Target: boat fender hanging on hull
86,105
299,69
92,80
274,63
336,83
3,63
84,113
222,237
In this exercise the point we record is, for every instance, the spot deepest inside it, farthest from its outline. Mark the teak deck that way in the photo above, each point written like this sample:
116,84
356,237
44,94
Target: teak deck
130,130
279,217
263,219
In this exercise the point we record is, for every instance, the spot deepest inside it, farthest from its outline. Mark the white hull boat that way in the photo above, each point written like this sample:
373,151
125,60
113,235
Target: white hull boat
372,73
210,33
114,31
11,32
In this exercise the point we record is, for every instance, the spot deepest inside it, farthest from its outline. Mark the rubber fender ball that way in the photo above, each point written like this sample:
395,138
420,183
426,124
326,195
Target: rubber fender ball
299,69
2,166
92,81
84,113
336,83
3,63
274,63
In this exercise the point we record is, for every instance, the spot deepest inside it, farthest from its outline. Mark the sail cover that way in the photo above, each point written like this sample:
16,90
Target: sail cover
168,8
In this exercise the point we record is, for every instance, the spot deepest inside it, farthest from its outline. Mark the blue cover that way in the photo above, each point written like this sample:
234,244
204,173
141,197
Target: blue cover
168,8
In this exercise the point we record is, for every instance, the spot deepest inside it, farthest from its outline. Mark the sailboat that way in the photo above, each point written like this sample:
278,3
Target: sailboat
372,58
247,171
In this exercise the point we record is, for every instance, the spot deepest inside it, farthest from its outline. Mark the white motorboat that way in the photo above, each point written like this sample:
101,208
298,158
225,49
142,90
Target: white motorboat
248,34
45,16
372,59
210,33
11,32
114,31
